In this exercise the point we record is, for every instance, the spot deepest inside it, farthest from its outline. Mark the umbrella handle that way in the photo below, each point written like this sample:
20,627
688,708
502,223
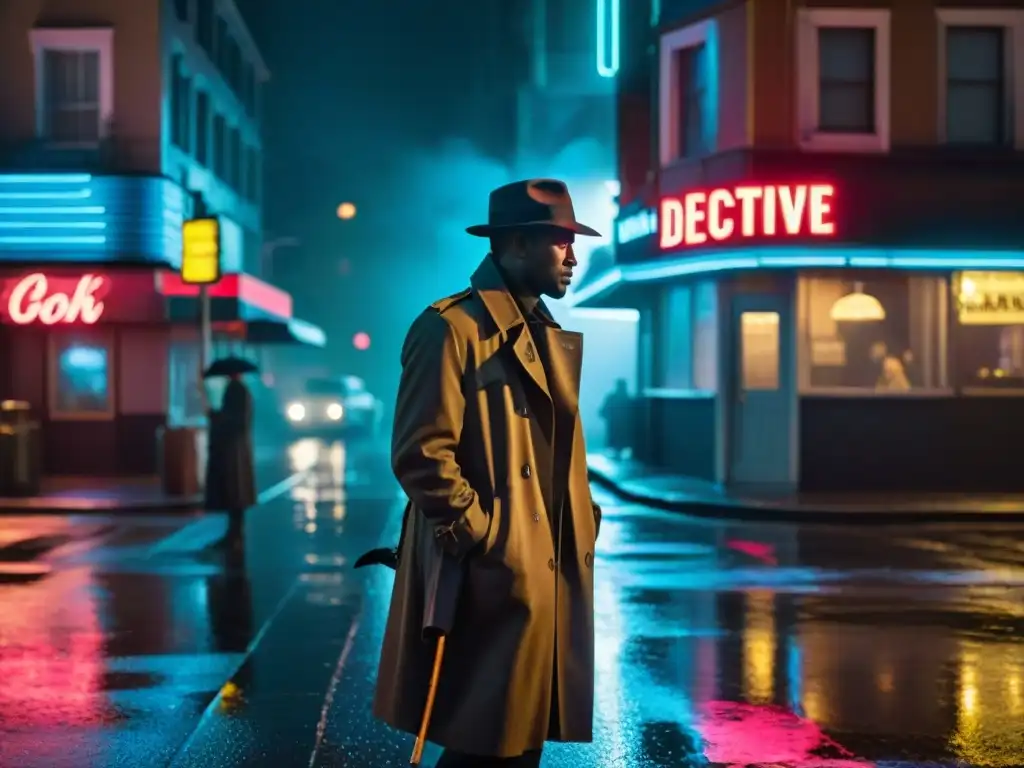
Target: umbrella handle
428,708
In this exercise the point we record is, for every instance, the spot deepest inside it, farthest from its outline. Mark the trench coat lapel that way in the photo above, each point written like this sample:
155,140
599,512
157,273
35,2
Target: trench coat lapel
490,286
565,350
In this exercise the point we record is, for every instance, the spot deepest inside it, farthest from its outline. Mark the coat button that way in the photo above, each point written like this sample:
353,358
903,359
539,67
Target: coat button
536,517
588,560
525,471
551,565
521,411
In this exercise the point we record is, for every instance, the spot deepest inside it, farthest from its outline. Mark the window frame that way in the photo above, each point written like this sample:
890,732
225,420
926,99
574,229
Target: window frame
99,40
670,90
809,22
57,343
1012,21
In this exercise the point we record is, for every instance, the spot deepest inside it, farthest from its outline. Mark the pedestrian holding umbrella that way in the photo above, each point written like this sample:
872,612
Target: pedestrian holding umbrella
495,562
230,484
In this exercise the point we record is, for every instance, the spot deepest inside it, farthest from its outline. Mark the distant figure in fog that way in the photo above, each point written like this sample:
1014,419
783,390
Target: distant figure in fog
230,475
616,415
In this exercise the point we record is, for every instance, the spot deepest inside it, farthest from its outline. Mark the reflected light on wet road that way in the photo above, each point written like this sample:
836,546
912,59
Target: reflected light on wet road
716,643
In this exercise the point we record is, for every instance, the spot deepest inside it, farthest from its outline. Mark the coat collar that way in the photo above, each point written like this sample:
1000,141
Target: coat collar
489,283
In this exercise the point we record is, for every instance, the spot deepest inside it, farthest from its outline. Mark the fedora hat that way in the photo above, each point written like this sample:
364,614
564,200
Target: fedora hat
531,203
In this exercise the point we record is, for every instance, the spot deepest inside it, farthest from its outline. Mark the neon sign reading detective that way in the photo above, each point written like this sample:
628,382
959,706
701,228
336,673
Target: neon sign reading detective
771,210
31,300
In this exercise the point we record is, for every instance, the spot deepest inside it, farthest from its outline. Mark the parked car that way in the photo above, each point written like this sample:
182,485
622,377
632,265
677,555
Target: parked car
339,404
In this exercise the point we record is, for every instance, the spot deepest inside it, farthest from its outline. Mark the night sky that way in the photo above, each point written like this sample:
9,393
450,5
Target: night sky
362,97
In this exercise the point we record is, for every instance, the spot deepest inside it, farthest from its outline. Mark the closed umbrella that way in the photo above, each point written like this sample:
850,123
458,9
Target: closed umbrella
442,581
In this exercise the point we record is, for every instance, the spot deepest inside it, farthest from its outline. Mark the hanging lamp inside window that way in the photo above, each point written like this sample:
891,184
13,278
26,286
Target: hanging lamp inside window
857,307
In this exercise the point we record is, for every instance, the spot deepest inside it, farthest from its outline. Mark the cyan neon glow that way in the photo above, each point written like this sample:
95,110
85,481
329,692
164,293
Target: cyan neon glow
94,210
633,227
77,217
77,194
607,37
46,178
53,225
54,240
796,258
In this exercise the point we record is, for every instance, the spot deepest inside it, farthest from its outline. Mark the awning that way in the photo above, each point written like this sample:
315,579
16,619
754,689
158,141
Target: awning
242,306
622,286
292,331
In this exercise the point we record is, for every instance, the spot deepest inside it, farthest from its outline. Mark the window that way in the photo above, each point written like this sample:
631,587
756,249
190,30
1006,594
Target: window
975,85
235,152
71,99
688,352
81,377
249,89
846,80
203,127
692,76
252,177
204,25
220,45
688,120
759,351
234,74
981,72
219,146
185,401
869,331
843,89
989,329
181,105
74,85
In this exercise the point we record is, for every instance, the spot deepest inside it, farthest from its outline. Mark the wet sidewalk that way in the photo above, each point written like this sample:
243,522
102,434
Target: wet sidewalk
717,643
85,495
641,484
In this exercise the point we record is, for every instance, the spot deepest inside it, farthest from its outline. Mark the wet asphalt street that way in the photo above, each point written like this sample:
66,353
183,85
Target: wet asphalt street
125,643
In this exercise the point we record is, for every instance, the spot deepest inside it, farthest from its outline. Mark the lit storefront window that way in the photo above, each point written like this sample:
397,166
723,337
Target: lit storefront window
990,329
871,332
80,380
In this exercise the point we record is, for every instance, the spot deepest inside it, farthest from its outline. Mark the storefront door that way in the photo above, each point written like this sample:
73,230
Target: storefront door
761,449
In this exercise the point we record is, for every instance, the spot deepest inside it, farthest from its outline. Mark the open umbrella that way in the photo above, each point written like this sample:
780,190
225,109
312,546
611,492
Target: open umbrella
229,366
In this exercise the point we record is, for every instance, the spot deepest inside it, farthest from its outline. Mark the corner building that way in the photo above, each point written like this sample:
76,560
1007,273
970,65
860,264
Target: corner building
821,223
122,119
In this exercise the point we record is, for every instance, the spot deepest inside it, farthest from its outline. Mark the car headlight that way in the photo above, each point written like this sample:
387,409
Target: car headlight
296,412
335,411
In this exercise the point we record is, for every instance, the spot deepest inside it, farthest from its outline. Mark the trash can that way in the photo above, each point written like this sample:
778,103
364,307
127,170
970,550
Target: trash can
181,471
20,464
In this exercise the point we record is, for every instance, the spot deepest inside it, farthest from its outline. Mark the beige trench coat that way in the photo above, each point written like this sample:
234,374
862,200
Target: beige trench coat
463,453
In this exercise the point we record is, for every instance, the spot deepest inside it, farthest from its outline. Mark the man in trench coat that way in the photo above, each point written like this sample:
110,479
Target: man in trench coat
489,448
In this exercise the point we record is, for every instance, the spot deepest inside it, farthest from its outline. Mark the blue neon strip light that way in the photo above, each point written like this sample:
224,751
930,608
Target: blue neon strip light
53,225
46,178
96,210
790,258
55,240
607,37
78,194
77,217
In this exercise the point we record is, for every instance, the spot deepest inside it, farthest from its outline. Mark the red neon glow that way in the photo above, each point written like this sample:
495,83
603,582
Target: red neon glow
771,210
32,300
242,287
361,341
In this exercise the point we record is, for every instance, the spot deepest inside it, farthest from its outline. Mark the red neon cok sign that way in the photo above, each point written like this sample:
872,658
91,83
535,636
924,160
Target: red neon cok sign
33,299
747,211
